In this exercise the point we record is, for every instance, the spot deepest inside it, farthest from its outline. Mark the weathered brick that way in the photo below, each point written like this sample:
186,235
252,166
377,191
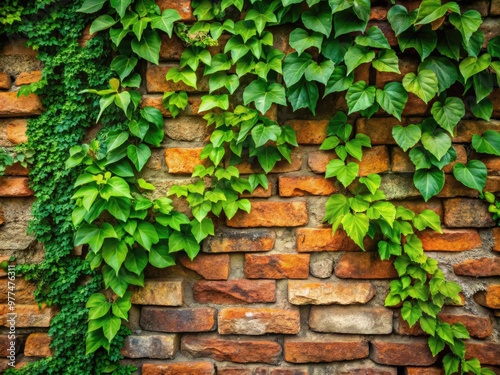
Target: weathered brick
171,48
155,101
318,160
230,370
359,265
150,345
232,350
179,368
211,267
321,265
489,298
378,13
17,46
4,81
16,170
351,319
374,160
289,371
496,239
10,345
379,129
467,128
418,206
478,326
157,83
271,214
235,240
321,239
187,128
182,6
309,132
495,8
159,292
16,131
453,188
424,371
199,319
492,184
235,291
398,186
482,267
85,36
25,78
15,187
38,345
297,186
463,212
28,315
13,106
277,266
182,160
488,353
24,291
415,106
326,293
2,219
364,367
450,240
282,166
400,161
259,192
401,353
322,349
258,321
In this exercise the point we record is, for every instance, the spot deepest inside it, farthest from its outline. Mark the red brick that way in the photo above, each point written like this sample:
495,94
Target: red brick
24,291
496,239
418,206
155,101
38,345
282,166
149,345
401,353
16,131
16,170
319,349
450,240
321,239
156,80
360,265
298,186
259,192
488,353
200,319
318,160
482,267
85,36
374,160
15,187
289,371
424,371
415,106
378,13
467,128
277,266
171,48
4,81
258,321
365,367
28,315
271,214
233,350
453,188
182,160
179,368
159,292
463,212
13,106
309,132
234,240
234,371
326,293
379,129
360,320
235,291
181,6
25,78
489,298
211,267
495,95
401,161
492,184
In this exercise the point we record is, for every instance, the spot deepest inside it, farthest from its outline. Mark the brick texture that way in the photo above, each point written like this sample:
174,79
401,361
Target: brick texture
304,185
13,106
159,292
305,350
364,266
326,293
160,346
231,240
38,345
210,267
450,240
278,266
198,319
482,267
258,321
271,214
181,368
235,291
402,353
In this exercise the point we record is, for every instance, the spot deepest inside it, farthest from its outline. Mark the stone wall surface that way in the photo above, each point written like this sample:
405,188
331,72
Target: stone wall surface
274,293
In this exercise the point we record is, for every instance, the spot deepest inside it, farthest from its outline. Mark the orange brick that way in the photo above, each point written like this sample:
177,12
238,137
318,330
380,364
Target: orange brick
171,48
16,131
467,128
210,267
181,6
156,80
179,368
15,187
450,240
415,106
495,95
13,106
17,46
379,129
324,293
155,101
259,192
378,13
4,81
319,349
16,170
400,161
489,298
28,315
360,265
297,186
374,160
482,267
38,345
309,132
461,158
25,78
453,188
199,319
488,353
159,292
24,292
182,160
271,214
233,240
277,266
322,239
258,321
318,160
424,371
464,212
235,291
492,184
496,239
404,353
418,206
85,36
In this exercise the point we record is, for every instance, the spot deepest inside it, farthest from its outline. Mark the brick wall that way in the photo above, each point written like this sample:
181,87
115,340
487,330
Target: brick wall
273,293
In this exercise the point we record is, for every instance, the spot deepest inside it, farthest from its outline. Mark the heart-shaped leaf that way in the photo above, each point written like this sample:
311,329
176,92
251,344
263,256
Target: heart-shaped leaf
473,174
424,85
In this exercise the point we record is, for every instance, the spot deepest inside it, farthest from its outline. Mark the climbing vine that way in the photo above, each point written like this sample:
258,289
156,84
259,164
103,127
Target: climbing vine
125,229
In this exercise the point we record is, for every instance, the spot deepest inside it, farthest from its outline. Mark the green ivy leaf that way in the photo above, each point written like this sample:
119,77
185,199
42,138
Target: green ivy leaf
431,10
94,236
488,143
372,182
339,81
262,134
467,23
483,109
114,253
260,19
400,19
373,38
429,182
360,96
436,141
449,44
424,85
392,99
334,49
202,229
209,102
146,235
483,84
165,22
387,61
320,72
264,94
268,157
138,155
318,19
494,46
385,210
148,47
446,72
121,306
159,257
119,207
173,220
427,219
406,137
428,324
347,21
473,65
91,6
356,227
102,23
136,260
344,173
303,94
300,40
473,174
121,7
449,113
424,40
411,313
94,341
294,67
355,56
186,75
